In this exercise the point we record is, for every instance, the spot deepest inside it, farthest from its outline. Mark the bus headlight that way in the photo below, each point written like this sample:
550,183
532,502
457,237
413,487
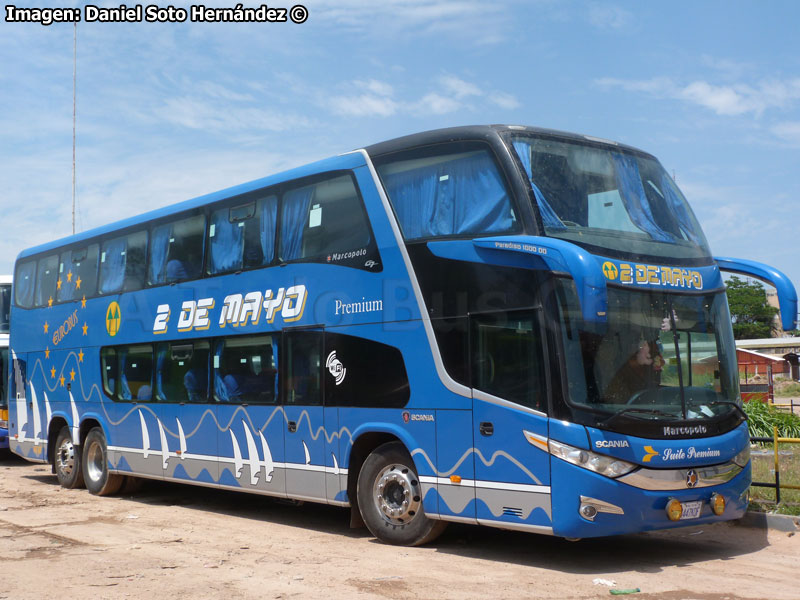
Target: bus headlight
718,504
599,463
743,457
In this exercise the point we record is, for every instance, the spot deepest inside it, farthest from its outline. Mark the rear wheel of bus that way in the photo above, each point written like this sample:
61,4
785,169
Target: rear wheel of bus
67,460
390,498
95,465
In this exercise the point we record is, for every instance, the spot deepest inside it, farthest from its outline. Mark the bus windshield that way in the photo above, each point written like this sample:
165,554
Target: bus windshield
663,357
607,198
5,305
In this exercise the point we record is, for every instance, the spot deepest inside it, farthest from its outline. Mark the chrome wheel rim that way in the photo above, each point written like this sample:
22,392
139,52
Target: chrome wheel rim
95,462
397,494
66,457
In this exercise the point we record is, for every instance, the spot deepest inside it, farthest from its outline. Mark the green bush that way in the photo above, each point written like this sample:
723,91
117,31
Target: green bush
762,418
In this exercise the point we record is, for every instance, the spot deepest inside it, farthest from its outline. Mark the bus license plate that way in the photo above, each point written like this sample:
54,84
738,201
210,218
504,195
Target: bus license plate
691,510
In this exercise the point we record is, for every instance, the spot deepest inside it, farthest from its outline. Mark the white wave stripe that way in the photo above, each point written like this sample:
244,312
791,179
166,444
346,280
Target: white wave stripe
182,438
48,411
145,436
22,408
237,456
76,421
164,445
37,418
269,465
308,455
488,463
335,464
252,455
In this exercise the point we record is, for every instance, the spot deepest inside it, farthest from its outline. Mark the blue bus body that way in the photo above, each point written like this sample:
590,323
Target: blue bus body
313,369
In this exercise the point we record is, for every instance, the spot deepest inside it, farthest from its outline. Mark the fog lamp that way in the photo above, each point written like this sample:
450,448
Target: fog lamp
674,509
718,504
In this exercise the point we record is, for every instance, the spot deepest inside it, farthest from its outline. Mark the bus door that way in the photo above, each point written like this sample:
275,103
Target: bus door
305,434
250,436
512,473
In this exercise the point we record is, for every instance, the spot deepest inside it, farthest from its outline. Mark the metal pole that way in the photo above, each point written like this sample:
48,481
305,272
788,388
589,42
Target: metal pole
74,111
777,470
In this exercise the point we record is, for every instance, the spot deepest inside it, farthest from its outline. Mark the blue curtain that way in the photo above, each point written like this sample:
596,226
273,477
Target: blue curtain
295,208
159,247
268,214
227,244
629,182
24,283
549,217
124,389
413,195
680,209
112,270
220,389
161,359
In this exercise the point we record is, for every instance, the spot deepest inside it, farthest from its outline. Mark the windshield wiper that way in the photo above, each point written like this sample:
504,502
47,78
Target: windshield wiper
728,402
634,409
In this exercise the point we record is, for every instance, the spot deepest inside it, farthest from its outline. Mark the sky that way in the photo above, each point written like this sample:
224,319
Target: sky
170,111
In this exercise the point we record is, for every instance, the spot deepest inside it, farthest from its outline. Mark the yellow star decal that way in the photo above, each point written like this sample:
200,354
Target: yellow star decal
85,328
83,302
46,326
69,276
61,379
49,302
58,284
53,372
80,355
72,375
78,283
47,352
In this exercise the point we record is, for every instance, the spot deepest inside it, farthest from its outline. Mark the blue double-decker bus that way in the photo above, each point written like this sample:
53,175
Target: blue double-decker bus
496,325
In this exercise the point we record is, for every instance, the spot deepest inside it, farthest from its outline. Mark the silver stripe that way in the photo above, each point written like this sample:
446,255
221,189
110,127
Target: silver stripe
517,526
675,479
467,520
490,485
448,382
479,395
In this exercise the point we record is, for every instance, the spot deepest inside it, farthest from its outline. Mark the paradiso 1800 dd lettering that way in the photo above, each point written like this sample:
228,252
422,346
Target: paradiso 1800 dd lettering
238,310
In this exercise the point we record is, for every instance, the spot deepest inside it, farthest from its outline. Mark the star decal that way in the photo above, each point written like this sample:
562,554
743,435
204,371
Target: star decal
72,375
61,379
80,355
78,283
83,301
58,283
49,302
53,373
46,326
47,352
85,328
69,276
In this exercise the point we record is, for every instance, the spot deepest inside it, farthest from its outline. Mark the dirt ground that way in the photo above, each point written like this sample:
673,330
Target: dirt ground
174,542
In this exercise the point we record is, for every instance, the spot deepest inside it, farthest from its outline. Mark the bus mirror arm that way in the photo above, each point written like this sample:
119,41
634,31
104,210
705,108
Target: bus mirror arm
787,295
565,257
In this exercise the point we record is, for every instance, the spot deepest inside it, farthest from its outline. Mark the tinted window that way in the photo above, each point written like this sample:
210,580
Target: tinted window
182,372
447,190
5,305
109,371
507,358
303,363
176,250
360,372
46,280
77,273
122,263
322,219
136,373
242,235
245,369
3,376
24,284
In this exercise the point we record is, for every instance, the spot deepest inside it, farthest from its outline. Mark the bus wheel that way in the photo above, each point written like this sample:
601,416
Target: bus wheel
95,465
68,461
390,498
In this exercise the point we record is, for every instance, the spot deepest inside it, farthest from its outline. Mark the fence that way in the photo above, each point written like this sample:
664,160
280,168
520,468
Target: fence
777,484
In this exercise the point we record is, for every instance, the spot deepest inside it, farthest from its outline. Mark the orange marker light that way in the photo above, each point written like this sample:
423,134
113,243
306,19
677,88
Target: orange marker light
674,510
455,478
718,504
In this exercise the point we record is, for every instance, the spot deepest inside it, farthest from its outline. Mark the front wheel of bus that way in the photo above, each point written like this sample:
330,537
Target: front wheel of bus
390,498
67,460
95,465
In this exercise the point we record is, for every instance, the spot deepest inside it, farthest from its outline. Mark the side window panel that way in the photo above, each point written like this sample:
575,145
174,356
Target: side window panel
242,235
46,280
136,373
110,371
361,372
323,220
507,358
122,263
176,251
77,273
245,370
182,372
302,384
25,284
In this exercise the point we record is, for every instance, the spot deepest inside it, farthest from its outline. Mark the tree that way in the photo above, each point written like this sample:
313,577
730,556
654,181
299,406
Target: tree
751,314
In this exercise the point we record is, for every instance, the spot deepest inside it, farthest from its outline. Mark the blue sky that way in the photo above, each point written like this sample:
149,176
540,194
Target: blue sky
167,112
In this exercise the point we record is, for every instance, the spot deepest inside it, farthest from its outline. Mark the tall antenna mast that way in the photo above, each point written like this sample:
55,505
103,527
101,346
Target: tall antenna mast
74,86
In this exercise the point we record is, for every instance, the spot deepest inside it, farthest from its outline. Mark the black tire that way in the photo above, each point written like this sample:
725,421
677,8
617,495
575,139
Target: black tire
95,466
390,498
67,460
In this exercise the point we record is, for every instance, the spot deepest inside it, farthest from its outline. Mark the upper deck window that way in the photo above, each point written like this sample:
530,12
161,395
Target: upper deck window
242,235
176,250
604,197
447,190
122,263
46,280
5,304
77,273
25,283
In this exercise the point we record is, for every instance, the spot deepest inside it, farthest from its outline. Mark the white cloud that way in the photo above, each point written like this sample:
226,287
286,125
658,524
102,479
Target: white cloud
436,104
788,131
458,87
503,100
363,105
604,16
